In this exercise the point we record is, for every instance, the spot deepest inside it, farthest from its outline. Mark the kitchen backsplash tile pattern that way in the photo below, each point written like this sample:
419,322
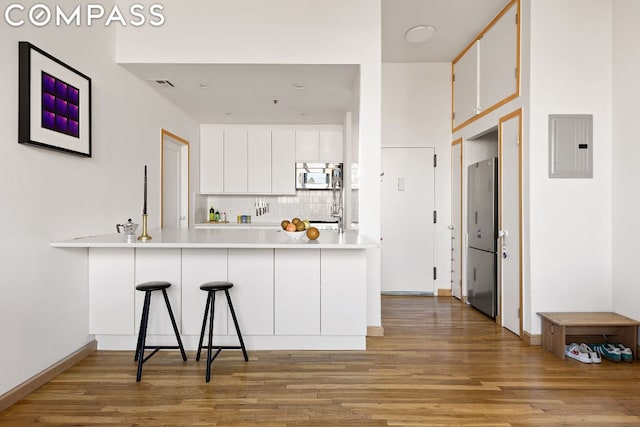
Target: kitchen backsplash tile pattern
314,205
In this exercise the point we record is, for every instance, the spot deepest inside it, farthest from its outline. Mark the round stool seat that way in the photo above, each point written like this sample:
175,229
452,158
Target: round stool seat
153,286
216,286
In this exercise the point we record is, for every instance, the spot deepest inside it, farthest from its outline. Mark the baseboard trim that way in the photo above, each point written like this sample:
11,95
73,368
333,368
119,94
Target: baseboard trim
32,384
375,331
445,293
532,339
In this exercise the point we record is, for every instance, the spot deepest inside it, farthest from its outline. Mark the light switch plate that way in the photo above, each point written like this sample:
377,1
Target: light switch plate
401,184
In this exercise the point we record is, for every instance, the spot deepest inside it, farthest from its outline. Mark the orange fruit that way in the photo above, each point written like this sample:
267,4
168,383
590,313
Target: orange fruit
313,233
291,227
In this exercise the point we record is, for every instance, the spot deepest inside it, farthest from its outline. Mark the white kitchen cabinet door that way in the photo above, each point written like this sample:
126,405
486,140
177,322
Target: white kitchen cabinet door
297,292
330,146
343,292
211,160
201,266
259,161
465,86
163,265
498,55
307,145
235,161
283,162
111,288
251,272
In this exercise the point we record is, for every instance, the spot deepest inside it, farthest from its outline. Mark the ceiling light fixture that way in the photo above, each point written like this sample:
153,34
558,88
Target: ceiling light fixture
204,85
420,34
298,86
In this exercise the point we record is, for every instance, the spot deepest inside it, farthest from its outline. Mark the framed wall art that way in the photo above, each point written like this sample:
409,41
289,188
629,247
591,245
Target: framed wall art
54,103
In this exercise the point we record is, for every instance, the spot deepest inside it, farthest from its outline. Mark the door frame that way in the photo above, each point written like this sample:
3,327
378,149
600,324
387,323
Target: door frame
185,176
517,113
460,265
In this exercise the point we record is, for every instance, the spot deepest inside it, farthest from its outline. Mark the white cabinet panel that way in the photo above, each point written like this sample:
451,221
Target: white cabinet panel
498,60
159,264
251,272
330,146
343,292
211,160
259,161
465,86
111,288
487,74
235,161
283,159
297,292
200,266
307,145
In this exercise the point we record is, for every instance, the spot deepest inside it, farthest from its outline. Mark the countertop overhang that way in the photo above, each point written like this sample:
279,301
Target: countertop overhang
224,238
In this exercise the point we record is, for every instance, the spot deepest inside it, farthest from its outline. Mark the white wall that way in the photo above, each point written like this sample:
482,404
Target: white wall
284,32
570,219
626,152
49,196
416,111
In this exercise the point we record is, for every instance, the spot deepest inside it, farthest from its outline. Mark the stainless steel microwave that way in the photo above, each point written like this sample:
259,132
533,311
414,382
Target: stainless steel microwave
317,176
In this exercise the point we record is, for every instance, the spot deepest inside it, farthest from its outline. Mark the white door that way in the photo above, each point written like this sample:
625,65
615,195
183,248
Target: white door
407,246
456,219
175,182
510,250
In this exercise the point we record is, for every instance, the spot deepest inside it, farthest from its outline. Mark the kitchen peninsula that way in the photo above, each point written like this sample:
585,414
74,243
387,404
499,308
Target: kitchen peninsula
288,293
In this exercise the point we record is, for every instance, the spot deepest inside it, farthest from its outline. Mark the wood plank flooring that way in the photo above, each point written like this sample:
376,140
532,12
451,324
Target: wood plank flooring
439,363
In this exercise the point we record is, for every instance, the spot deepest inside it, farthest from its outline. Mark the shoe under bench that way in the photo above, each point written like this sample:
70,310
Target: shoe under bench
561,328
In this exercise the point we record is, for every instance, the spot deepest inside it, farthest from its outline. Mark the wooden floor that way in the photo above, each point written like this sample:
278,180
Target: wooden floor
439,363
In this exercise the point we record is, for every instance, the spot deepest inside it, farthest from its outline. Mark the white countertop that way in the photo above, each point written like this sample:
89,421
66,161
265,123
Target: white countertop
224,238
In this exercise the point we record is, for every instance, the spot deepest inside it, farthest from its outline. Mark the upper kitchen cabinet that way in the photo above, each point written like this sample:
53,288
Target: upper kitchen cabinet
247,160
283,159
235,161
486,75
259,161
324,145
211,160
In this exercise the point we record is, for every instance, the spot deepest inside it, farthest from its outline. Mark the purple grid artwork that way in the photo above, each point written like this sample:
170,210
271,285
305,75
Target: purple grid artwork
60,106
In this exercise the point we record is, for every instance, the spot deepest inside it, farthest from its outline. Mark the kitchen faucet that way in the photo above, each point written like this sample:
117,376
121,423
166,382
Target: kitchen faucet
337,209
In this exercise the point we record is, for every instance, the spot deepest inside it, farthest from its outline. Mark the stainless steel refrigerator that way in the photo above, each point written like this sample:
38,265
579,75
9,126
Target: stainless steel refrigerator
482,233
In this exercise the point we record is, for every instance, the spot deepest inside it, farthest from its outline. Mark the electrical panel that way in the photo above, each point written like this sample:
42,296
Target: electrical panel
570,146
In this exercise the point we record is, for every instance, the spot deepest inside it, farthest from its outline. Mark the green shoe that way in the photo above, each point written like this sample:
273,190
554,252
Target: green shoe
625,353
608,351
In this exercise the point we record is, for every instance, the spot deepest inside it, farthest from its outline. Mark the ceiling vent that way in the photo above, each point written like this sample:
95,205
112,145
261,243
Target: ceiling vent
163,83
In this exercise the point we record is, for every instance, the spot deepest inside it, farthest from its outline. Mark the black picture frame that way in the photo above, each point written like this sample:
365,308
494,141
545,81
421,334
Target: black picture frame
54,104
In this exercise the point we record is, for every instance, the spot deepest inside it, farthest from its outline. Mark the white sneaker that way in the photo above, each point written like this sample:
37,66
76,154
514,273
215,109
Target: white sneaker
574,351
593,355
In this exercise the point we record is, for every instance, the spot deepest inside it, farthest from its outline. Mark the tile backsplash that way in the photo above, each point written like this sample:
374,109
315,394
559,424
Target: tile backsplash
314,205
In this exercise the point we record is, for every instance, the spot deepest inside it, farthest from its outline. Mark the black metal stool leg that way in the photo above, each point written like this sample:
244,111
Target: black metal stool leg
145,312
143,333
175,326
212,295
204,325
235,322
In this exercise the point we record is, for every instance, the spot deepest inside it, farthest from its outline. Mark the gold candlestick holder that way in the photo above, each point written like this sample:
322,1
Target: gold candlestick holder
144,236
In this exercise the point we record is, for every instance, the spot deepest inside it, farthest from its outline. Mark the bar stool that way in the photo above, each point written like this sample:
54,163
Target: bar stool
148,288
211,288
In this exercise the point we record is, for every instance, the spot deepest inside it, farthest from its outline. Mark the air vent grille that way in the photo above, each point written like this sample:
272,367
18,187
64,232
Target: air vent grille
162,82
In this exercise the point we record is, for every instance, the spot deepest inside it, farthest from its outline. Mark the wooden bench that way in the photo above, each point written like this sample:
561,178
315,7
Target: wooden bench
562,328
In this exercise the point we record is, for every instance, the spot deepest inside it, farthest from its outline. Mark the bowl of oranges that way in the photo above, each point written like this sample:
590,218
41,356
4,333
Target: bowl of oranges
297,229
